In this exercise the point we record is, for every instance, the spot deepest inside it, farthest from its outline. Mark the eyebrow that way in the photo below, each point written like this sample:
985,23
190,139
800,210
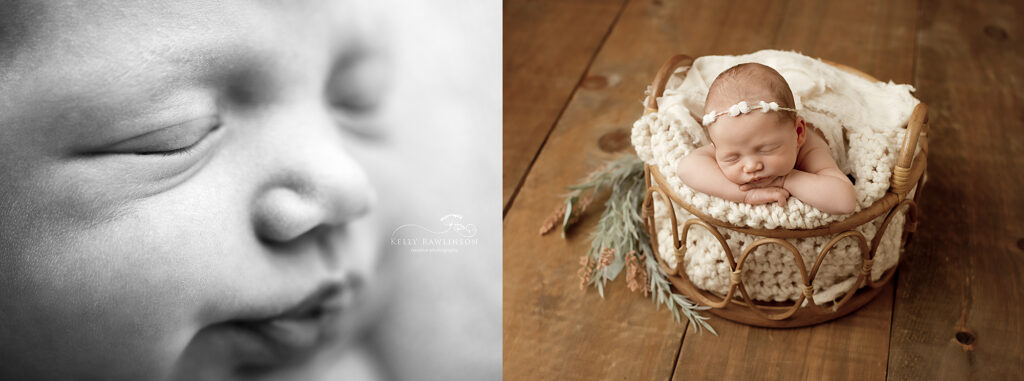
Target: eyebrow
217,63
80,107
17,23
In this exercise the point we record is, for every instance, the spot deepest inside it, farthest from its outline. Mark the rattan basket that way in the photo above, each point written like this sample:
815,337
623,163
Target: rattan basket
739,306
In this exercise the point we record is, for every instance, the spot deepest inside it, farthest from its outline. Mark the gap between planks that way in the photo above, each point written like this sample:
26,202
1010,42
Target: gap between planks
565,105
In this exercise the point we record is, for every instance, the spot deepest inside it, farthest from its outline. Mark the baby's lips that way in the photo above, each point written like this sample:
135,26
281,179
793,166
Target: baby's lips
304,326
291,334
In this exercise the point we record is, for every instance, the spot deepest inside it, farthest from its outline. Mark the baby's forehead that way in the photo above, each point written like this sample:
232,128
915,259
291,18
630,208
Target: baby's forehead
81,24
103,61
732,90
750,82
133,38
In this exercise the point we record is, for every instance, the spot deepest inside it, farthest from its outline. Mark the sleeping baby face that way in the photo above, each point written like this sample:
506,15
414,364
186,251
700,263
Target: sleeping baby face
755,148
181,189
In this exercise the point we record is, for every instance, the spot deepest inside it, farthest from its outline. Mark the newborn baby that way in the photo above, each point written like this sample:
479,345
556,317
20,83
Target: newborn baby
760,150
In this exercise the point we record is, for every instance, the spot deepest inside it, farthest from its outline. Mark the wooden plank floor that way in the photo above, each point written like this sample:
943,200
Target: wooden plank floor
543,65
956,310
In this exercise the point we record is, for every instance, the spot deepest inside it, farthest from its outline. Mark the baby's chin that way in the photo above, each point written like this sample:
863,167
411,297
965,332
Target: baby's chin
276,347
291,343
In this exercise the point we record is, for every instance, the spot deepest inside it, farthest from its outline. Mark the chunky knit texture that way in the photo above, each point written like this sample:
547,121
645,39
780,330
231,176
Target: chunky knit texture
864,124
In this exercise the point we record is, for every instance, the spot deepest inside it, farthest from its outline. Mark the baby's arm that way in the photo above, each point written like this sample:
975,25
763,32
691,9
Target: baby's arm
821,184
699,171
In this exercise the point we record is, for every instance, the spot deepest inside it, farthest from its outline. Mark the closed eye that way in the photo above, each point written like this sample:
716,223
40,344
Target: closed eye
769,149
180,139
730,158
357,92
183,150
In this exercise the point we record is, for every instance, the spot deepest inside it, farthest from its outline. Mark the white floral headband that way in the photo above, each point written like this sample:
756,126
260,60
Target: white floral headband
743,108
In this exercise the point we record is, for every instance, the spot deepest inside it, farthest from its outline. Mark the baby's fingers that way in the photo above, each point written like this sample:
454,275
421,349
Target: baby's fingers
745,187
783,196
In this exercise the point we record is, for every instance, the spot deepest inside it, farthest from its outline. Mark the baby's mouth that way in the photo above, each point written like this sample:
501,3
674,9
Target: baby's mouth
759,180
295,333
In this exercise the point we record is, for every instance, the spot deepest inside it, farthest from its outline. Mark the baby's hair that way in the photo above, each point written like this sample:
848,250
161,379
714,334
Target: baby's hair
750,82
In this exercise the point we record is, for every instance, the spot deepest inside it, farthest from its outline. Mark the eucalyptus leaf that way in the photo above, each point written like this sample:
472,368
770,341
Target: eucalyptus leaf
615,268
568,212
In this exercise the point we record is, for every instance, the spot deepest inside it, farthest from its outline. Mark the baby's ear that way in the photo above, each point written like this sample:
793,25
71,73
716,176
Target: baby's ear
801,131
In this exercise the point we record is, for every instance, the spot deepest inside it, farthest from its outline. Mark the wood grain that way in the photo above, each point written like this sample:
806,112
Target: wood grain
956,309
959,305
555,332
552,330
844,349
882,35
547,46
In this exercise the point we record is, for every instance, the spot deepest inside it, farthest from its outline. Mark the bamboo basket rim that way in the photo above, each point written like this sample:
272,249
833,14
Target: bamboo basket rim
907,175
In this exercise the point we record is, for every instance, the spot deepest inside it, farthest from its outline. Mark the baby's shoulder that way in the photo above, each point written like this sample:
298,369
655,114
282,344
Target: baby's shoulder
814,154
704,150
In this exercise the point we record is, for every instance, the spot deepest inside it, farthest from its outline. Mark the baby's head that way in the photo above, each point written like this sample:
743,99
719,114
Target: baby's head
754,146
182,191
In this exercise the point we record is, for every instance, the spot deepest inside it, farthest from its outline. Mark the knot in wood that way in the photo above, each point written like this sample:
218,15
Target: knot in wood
615,141
965,337
995,32
595,82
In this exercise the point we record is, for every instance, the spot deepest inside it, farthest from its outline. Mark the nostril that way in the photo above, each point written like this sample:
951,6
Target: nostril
282,215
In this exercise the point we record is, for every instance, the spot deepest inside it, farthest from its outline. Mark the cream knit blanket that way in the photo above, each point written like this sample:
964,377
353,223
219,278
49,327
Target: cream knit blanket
864,124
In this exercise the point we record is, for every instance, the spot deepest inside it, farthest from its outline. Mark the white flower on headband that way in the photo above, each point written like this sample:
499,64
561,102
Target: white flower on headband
743,108
765,107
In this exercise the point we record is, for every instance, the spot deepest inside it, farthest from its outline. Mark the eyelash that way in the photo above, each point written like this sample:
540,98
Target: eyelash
177,152
365,122
183,151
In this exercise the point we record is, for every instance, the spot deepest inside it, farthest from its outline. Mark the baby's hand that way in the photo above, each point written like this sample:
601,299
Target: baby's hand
777,182
758,196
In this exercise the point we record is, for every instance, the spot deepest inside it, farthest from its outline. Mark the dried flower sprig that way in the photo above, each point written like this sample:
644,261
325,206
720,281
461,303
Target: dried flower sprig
620,240
553,219
636,275
586,271
582,195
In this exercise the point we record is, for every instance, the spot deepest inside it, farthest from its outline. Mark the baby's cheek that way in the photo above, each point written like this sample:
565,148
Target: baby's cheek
781,163
89,309
732,173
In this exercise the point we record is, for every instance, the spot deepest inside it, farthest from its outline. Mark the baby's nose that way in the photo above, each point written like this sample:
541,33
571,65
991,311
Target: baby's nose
752,166
313,183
